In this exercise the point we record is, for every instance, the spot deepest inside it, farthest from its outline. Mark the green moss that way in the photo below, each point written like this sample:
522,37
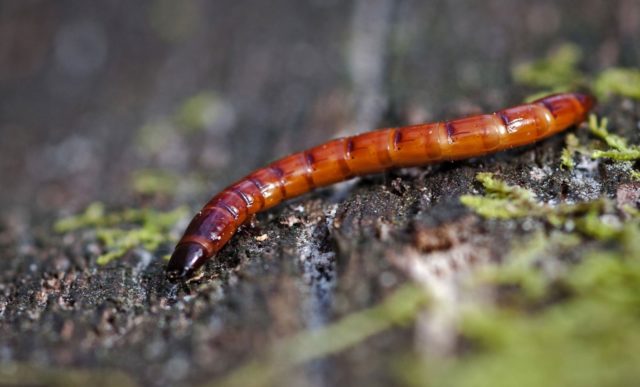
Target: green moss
582,343
93,215
154,137
521,268
399,308
619,149
124,230
499,208
118,242
558,322
566,158
619,81
592,225
191,117
572,144
503,201
198,112
599,129
152,182
629,155
500,190
558,72
590,337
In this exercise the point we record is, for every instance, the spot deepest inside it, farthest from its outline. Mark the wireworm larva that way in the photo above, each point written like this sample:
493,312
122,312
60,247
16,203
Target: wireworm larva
370,152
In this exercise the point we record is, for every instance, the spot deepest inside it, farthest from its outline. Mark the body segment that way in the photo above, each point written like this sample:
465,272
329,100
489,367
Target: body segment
370,152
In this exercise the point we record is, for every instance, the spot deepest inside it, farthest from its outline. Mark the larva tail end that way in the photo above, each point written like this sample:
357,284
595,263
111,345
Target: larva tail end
185,260
586,100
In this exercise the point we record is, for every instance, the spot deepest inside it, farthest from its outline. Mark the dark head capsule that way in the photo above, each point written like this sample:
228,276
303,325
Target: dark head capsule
186,259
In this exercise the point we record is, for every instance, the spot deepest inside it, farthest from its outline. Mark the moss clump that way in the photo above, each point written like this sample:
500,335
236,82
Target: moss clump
154,137
521,269
153,182
122,231
559,72
499,189
399,308
566,158
590,337
199,112
504,201
572,146
193,116
619,150
618,81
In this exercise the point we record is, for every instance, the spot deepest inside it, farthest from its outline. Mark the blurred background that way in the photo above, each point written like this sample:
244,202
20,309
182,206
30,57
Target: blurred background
93,95
158,104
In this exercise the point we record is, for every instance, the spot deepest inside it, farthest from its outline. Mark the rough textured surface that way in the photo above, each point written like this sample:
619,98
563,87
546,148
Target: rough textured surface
92,93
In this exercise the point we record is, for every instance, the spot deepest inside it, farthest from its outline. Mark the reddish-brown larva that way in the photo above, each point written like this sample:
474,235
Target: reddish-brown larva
370,152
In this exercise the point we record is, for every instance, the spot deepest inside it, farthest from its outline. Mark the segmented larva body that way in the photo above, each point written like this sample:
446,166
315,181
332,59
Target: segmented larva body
370,152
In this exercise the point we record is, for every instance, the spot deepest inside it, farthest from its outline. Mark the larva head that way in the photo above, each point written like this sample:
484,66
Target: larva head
186,259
